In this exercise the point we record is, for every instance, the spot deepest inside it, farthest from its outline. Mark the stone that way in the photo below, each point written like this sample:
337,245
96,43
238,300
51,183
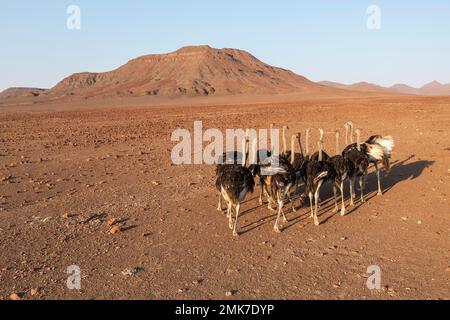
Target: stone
115,230
112,221
16,296
230,293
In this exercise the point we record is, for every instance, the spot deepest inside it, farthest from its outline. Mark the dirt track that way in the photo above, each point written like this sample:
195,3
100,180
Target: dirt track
64,174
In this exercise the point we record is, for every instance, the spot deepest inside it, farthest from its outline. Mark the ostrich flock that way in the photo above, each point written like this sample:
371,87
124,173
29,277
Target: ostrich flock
283,176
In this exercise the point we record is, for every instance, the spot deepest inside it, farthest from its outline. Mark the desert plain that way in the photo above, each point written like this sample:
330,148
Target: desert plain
92,184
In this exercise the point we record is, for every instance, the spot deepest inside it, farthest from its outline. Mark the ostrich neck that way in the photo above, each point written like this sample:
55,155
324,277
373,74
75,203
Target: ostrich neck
299,141
320,151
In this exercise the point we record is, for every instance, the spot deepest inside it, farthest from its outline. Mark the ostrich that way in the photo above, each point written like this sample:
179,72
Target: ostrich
235,183
227,161
339,172
317,171
387,144
263,156
381,148
359,161
278,185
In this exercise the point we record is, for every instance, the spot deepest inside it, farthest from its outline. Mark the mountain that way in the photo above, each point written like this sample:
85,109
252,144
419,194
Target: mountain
367,87
403,88
432,88
17,92
333,84
189,71
436,88
360,86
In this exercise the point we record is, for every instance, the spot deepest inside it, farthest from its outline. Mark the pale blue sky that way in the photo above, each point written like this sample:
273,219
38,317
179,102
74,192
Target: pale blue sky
322,40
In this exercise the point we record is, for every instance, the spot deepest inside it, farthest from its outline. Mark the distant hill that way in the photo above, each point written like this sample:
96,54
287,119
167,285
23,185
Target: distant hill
17,92
432,88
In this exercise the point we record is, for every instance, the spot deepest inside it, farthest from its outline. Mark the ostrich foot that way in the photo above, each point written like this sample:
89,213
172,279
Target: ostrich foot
235,234
316,222
276,229
343,212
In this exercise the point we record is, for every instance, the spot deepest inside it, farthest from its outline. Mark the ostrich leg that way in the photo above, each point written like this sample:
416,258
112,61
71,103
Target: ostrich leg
230,215
316,200
336,209
280,211
352,195
380,192
361,186
311,204
238,207
261,192
342,198
219,206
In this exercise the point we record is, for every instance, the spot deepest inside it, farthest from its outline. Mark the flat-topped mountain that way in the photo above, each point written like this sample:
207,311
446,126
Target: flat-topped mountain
189,71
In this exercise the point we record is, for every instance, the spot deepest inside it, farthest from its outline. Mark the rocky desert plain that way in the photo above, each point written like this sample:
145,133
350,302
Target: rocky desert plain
86,179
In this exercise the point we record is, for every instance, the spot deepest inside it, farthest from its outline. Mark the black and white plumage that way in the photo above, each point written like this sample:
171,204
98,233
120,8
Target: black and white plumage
377,149
317,172
278,181
235,182
387,145
227,161
358,156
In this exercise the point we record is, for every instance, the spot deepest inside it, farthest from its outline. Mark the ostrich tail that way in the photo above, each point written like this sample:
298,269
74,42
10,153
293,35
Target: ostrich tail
387,143
375,152
271,171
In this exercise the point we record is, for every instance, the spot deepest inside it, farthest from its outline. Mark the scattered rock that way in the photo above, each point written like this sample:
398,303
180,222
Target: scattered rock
131,271
155,183
17,296
447,269
115,230
230,293
34,291
112,221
